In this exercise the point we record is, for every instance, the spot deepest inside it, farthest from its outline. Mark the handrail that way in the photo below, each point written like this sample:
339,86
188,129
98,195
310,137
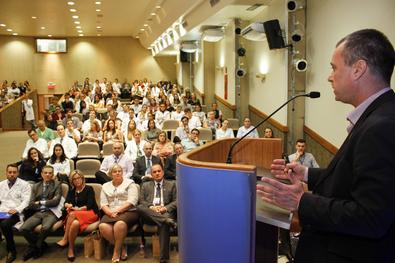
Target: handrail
24,96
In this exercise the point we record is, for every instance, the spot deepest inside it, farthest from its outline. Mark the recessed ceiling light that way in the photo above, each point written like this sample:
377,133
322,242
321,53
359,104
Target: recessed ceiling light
98,10
77,22
137,37
153,14
81,35
142,29
98,35
43,27
78,27
9,29
75,17
98,27
157,7
145,25
80,31
70,3
34,17
14,34
3,25
98,2
49,35
73,10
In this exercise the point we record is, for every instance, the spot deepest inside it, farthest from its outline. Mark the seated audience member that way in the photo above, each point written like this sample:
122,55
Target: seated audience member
98,102
67,104
81,211
170,162
163,147
192,142
124,114
152,133
45,196
246,128
58,115
125,122
183,131
115,103
72,132
36,142
118,157
31,167
111,133
268,133
199,113
69,145
14,197
161,115
118,201
60,163
184,103
94,134
136,105
142,167
158,205
302,157
212,123
86,126
217,112
193,100
128,135
51,122
193,121
224,131
135,148
142,115
177,114
144,124
70,117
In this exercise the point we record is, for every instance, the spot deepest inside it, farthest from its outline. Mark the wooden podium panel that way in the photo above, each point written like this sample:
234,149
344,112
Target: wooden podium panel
217,205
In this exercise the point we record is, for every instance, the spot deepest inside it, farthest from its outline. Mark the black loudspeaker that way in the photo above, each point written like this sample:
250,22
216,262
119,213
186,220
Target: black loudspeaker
273,34
185,57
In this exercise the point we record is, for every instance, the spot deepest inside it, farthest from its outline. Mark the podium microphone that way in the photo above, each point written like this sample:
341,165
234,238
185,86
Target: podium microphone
313,95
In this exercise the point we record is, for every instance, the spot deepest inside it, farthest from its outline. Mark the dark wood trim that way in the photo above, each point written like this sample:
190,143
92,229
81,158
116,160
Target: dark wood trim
320,140
227,104
279,126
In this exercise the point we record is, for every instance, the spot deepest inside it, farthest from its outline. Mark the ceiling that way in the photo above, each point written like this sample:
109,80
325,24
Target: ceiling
146,19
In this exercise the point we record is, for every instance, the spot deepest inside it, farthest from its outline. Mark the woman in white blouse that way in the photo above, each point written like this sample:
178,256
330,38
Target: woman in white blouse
60,163
224,131
118,201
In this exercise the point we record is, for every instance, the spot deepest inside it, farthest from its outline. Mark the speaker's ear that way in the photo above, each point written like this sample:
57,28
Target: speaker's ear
274,34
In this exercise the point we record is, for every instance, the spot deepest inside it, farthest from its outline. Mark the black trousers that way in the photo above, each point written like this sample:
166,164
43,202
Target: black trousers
102,177
6,226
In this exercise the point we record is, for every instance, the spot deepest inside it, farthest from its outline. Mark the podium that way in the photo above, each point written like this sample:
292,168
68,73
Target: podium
220,219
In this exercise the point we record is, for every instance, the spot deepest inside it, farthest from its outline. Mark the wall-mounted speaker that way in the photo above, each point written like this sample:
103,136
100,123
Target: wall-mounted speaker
274,34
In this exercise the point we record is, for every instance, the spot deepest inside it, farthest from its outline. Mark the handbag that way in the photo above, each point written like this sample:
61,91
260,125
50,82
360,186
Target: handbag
98,246
88,245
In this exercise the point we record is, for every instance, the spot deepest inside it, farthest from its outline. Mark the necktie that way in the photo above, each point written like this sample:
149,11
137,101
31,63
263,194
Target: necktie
61,140
139,154
148,163
158,193
10,184
116,159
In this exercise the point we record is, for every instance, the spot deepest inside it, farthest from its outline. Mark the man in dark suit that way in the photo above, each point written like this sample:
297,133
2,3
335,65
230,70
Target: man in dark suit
350,214
158,205
142,167
171,161
45,196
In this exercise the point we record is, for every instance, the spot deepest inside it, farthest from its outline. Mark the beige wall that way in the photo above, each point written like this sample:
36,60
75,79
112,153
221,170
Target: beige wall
327,22
112,57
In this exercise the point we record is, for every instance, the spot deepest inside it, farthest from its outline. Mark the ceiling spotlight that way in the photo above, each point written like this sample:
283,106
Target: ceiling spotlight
43,27
34,17
145,25
77,22
98,2
294,5
153,14
98,27
3,25
300,65
157,7
98,35
49,35
80,31
73,10
78,27
9,29
81,35
98,10
70,3
76,17
142,29
14,34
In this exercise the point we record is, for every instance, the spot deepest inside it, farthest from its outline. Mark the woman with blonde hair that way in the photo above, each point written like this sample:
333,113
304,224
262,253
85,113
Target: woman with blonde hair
118,201
81,209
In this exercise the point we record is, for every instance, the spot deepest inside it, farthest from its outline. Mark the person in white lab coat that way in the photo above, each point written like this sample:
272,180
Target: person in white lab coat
29,112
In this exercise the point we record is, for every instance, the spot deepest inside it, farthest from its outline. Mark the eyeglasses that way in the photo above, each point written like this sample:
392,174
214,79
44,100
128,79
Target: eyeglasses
76,178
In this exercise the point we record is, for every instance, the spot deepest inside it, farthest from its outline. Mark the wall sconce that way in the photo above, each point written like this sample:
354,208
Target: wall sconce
261,76
294,5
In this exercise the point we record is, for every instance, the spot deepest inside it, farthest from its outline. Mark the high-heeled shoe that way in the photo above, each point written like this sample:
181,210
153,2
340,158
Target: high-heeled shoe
124,254
71,259
116,260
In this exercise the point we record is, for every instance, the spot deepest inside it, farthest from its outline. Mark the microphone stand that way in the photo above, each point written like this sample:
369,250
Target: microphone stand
229,158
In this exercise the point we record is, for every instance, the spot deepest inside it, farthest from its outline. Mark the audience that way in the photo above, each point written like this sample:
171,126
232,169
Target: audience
31,167
224,131
36,142
302,157
14,197
163,147
118,201
192,141
69,145
135,148
142,168
60,163
268,133
152,133
247,127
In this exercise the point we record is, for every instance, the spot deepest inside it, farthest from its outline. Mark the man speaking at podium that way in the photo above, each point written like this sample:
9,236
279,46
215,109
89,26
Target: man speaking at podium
350,214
